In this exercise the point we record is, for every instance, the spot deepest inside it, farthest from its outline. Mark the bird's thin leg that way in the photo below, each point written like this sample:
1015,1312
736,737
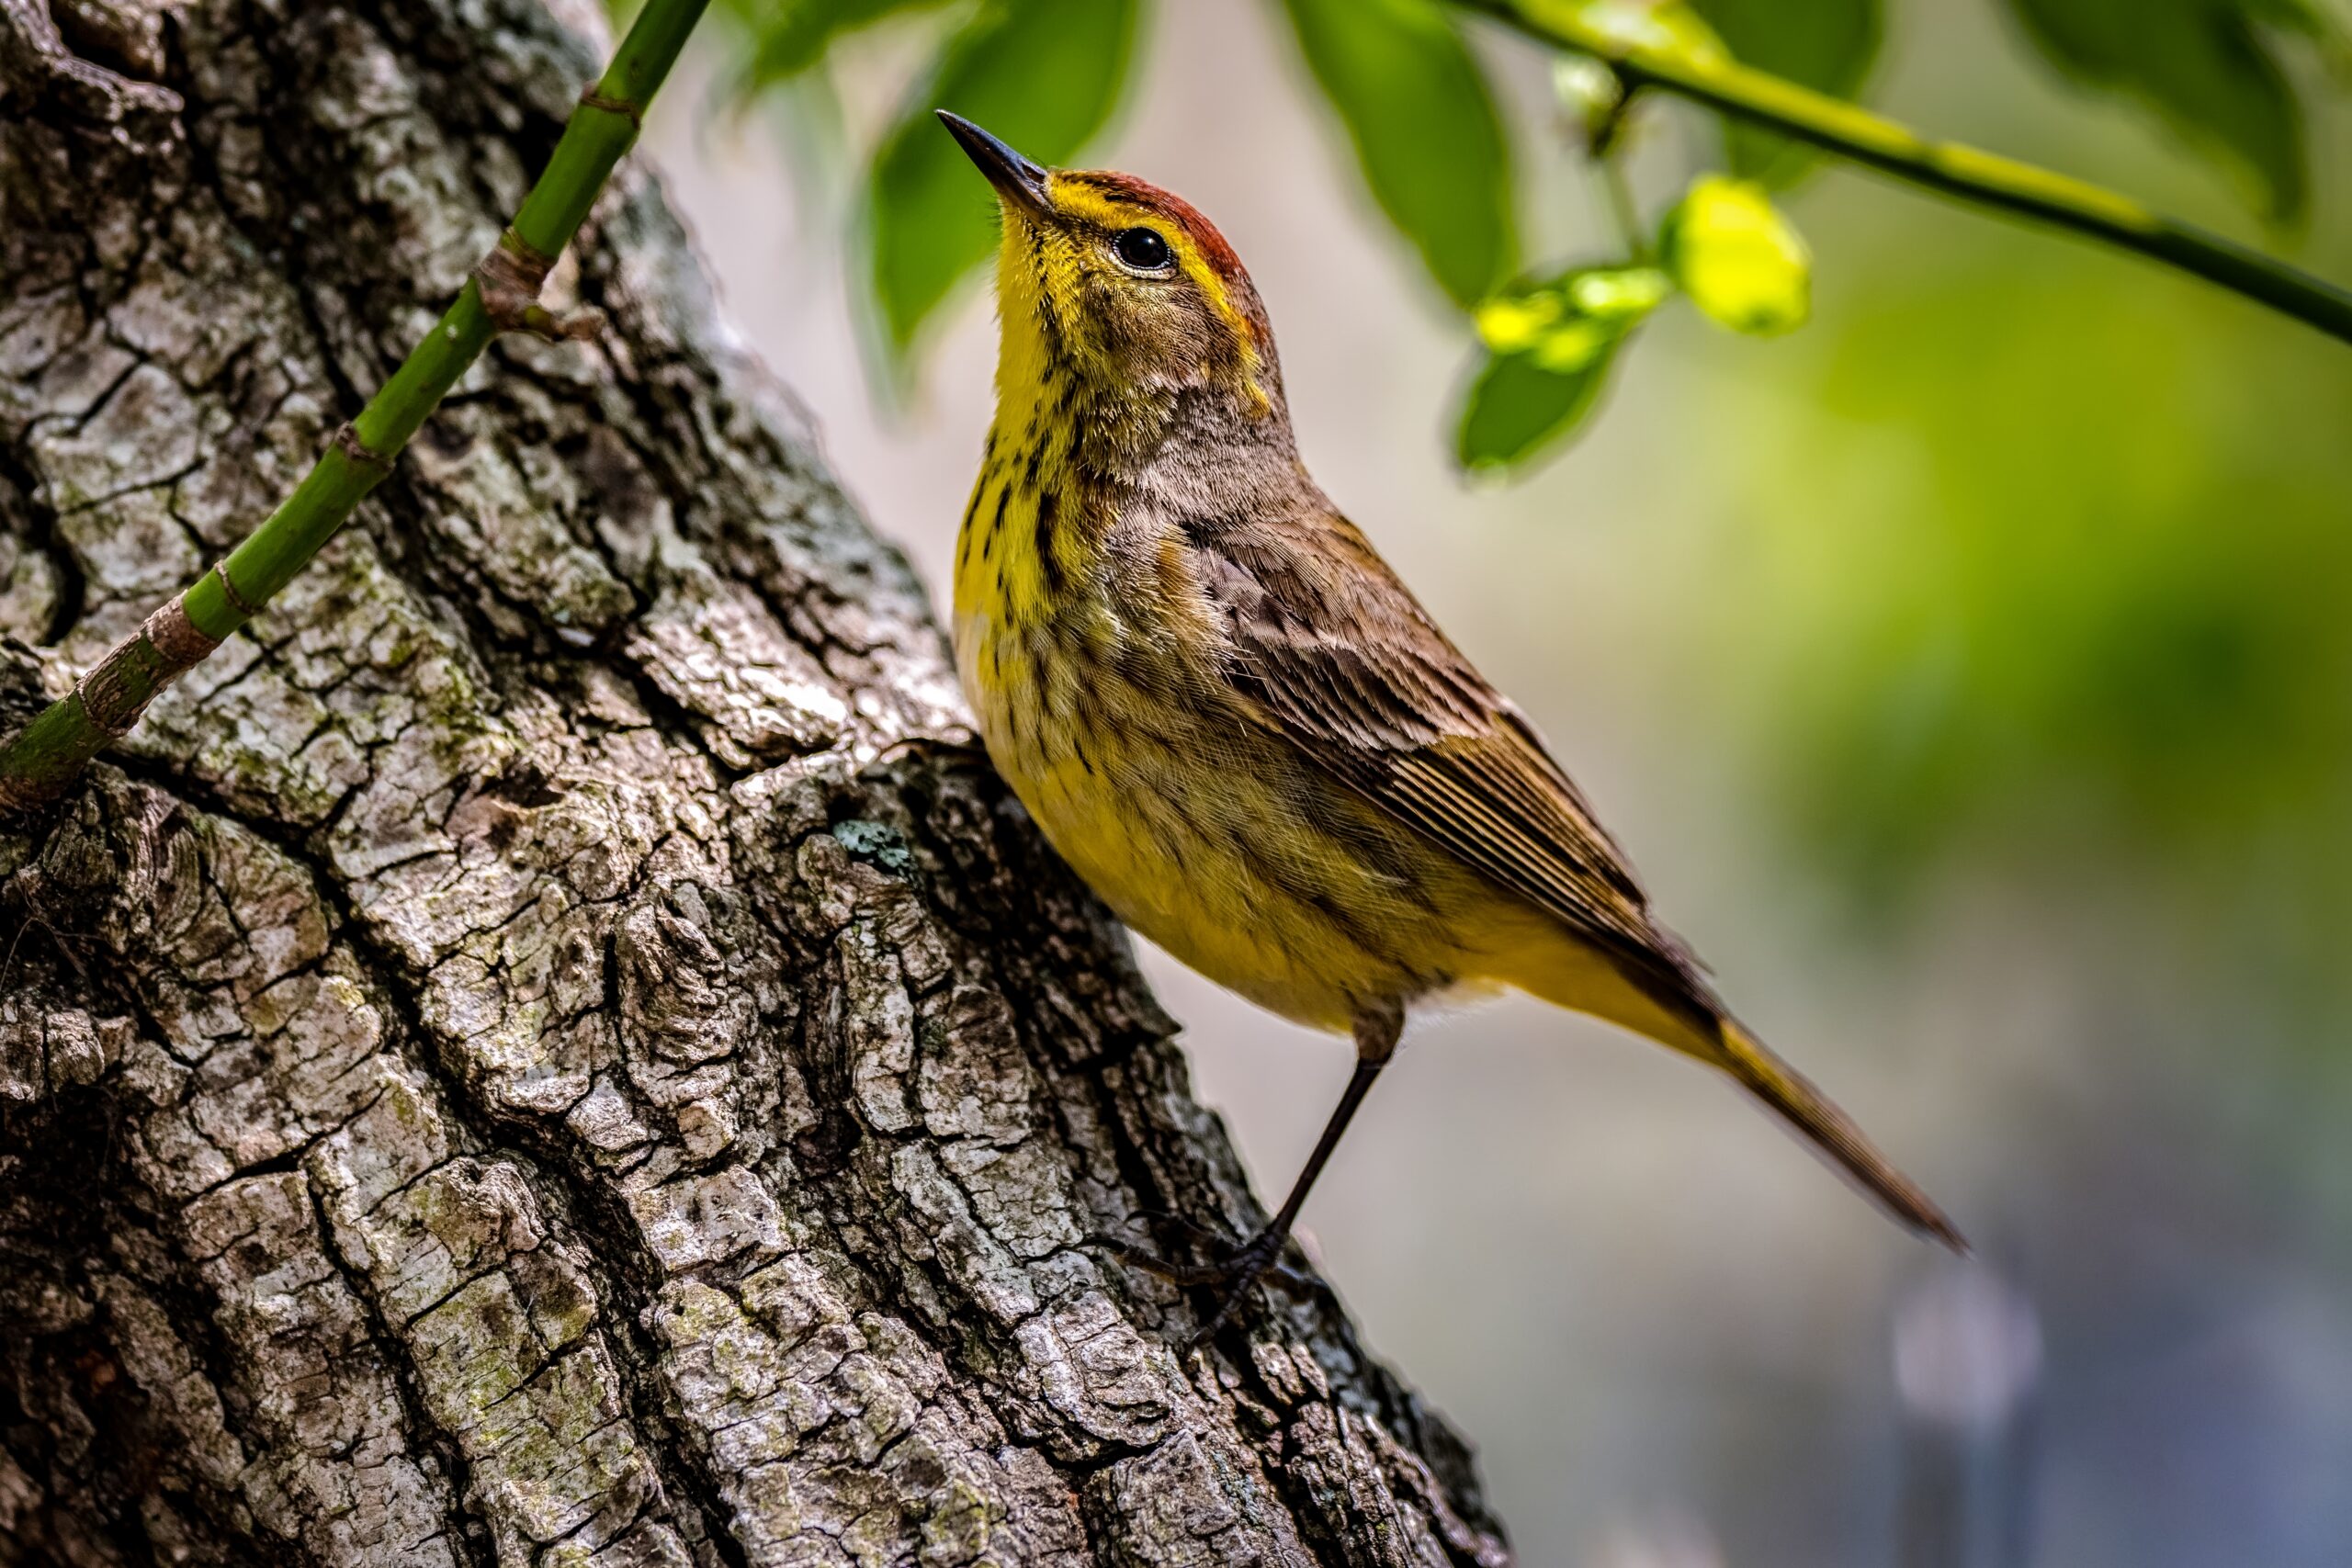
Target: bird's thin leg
1376,1031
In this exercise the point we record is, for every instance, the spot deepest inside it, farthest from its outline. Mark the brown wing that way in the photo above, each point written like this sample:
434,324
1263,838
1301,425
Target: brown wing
1330,648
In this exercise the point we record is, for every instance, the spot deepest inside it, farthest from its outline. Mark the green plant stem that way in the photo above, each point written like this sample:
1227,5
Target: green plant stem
39,763
1984,179
1624,210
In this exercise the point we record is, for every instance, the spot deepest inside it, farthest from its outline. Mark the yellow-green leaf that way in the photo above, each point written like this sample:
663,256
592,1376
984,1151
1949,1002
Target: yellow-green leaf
1431,147
1615,293
1549,346
1737,258
1044,74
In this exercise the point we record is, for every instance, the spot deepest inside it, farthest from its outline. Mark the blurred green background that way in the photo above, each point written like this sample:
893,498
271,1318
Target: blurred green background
1970,673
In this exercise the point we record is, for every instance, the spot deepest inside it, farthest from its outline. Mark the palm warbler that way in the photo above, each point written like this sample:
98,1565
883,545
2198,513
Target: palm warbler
1227,714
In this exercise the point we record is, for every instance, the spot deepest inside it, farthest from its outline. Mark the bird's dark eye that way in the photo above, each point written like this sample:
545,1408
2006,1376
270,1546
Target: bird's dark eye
1141,249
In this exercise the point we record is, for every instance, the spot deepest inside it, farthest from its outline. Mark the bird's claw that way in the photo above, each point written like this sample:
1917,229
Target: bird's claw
1232,1275
1200,1237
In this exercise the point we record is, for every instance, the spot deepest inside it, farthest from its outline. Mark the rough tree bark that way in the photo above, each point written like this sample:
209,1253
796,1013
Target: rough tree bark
550,1051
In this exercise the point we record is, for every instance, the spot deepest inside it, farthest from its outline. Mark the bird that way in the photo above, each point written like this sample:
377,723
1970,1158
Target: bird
1234,721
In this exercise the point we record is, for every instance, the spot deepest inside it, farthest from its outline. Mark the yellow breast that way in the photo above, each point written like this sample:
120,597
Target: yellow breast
1203,831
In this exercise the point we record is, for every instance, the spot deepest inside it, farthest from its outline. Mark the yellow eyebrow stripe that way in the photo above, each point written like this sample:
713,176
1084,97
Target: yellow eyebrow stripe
1074,200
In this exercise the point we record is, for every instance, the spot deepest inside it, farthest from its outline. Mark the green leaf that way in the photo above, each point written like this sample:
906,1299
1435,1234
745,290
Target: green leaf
1044,74
1549,346
1829,45
2212,68
1739,260
1516,407
789,37
1427,137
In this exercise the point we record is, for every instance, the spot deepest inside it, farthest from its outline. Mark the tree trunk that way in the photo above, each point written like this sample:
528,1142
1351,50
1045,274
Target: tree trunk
552,1049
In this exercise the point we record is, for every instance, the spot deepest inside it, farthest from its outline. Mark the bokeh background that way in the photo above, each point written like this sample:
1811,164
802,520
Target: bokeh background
1970,674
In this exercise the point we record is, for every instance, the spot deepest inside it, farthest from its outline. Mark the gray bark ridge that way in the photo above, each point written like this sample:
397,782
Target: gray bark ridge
548,1051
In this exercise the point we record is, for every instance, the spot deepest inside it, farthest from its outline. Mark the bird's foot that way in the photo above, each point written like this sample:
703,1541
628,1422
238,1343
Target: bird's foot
1231,1275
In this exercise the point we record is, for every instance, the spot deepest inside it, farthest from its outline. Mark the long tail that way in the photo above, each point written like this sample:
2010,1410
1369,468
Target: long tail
1808,1110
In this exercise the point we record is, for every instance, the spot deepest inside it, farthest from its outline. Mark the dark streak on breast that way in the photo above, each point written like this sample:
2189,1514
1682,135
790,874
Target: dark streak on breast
963,534
988,540
1048,559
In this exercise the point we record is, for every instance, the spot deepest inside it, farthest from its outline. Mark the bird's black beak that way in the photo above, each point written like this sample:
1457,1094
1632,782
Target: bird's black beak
1016,177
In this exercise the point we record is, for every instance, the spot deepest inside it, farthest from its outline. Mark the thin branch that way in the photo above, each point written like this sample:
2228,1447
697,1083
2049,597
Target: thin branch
1624,210
503,296
1604,135
1985,179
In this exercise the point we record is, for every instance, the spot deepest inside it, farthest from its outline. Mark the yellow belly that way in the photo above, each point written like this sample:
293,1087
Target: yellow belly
1203,831
1217,840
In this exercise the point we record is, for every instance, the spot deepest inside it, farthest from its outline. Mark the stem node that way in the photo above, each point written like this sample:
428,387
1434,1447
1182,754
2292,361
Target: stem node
238,602
633,113
510,278
358,451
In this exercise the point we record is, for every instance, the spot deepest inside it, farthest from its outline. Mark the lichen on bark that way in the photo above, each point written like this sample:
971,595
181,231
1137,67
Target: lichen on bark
551,1049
